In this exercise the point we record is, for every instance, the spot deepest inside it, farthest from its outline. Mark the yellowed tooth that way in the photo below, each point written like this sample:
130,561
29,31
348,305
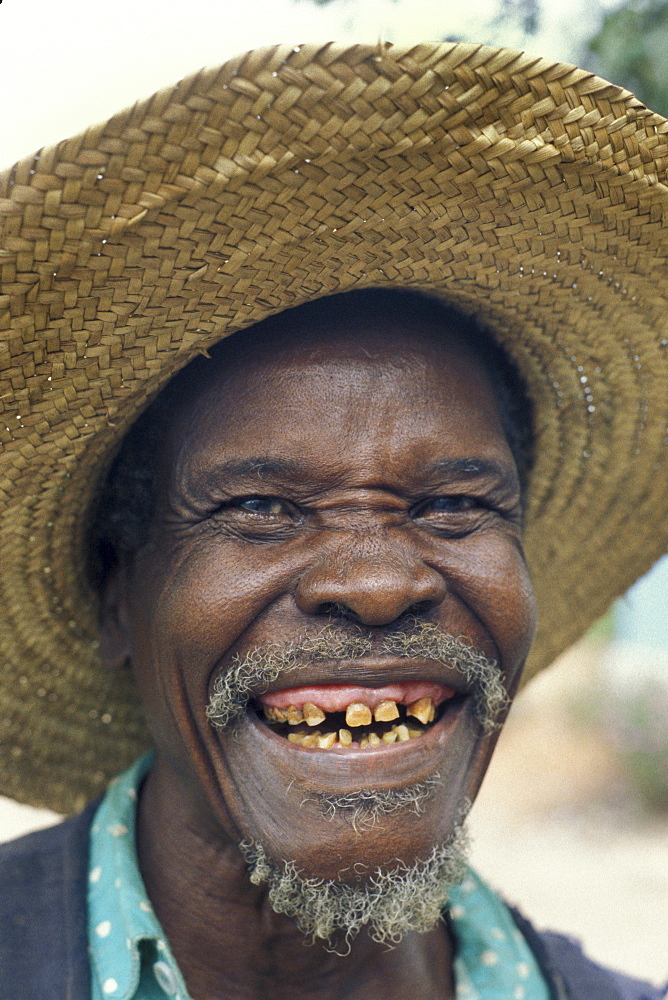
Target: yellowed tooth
312,714
390,737
358,714
295,715
364,743
413,732
374,739
311,739
422,709
402,732
386,711
325,742
295,737
345,737
274,714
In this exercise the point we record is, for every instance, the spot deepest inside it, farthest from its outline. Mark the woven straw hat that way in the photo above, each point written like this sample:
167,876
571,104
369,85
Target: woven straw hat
528,192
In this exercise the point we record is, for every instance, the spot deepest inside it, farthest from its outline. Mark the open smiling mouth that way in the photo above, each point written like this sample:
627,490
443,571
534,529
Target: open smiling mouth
342,716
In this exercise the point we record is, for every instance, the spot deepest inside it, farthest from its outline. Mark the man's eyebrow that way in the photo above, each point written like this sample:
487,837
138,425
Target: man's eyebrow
259,467
471,468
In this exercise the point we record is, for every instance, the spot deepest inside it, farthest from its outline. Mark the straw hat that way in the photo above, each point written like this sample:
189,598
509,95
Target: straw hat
528,192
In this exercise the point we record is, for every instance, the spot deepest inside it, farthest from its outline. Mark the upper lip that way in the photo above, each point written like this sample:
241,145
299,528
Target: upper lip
371,672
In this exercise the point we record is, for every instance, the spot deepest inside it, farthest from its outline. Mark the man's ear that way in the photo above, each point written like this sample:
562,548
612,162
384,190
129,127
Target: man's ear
114,631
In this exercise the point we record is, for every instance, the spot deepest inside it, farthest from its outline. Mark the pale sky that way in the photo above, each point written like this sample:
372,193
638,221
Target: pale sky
69,63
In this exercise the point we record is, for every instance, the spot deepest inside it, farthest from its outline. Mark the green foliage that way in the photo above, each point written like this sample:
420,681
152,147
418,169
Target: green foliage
631,48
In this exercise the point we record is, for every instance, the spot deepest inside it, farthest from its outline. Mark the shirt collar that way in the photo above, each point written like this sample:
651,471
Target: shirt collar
125,938
493,960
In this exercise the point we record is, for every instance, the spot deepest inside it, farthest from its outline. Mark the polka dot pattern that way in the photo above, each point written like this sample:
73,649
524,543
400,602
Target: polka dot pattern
493,960
131,959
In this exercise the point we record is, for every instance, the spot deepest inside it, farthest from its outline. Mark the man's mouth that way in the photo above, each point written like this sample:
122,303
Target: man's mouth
350,717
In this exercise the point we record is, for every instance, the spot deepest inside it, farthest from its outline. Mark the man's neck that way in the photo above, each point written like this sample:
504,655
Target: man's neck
229,943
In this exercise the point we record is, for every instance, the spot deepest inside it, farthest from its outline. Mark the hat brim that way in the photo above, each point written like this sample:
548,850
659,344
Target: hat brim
529,193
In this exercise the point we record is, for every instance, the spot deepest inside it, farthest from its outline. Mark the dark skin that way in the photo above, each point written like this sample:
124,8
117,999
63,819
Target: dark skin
370,473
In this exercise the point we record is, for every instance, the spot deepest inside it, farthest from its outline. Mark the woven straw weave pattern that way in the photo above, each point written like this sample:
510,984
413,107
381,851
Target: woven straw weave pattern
530,193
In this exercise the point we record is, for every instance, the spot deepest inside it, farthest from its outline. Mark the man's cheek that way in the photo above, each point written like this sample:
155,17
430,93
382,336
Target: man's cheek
490,576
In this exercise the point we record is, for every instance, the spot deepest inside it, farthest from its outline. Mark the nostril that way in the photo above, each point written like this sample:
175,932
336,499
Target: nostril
370,591
336,609
419,609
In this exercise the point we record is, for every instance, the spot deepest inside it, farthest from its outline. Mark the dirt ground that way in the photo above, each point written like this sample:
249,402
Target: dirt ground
556,829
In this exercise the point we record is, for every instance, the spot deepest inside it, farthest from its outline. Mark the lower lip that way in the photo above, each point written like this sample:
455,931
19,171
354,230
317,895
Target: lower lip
260,756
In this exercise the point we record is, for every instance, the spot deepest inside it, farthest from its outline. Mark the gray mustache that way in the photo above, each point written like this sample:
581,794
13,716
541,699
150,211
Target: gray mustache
250,675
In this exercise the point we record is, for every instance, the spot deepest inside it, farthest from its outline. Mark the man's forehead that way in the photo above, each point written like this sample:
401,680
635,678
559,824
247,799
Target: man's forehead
340,417
383,336
406,373
388,357
376,324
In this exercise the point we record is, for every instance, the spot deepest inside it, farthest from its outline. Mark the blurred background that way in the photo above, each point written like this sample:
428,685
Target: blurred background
572,821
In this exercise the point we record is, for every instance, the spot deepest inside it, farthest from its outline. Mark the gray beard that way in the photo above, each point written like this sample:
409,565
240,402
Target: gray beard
250,675
390,902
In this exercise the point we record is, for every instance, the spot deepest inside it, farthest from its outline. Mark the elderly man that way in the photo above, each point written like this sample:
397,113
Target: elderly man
318,368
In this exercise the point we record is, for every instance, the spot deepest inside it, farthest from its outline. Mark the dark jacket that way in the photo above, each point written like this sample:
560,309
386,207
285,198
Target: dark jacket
43,932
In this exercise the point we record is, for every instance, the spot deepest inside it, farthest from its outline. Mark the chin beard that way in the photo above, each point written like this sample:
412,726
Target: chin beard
390,902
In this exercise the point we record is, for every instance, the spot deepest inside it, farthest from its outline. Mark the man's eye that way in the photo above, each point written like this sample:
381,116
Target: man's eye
269,506
257,517
447,504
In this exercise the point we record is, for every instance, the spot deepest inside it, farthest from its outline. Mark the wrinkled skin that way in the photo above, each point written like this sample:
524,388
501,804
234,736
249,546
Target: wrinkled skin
349,445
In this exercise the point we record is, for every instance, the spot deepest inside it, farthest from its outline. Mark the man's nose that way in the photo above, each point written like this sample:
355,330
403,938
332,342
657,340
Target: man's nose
373,589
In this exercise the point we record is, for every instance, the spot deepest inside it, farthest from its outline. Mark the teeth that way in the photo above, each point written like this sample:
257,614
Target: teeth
275,714
312,714
324,741
386,711
358,714
295,715
316,739
423,710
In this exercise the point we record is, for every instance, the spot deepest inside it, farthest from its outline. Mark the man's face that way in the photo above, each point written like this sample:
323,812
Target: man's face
354,479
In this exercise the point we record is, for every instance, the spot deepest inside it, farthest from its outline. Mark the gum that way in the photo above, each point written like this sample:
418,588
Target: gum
337,697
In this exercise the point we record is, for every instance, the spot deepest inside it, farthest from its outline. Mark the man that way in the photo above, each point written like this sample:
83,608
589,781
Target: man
316,548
